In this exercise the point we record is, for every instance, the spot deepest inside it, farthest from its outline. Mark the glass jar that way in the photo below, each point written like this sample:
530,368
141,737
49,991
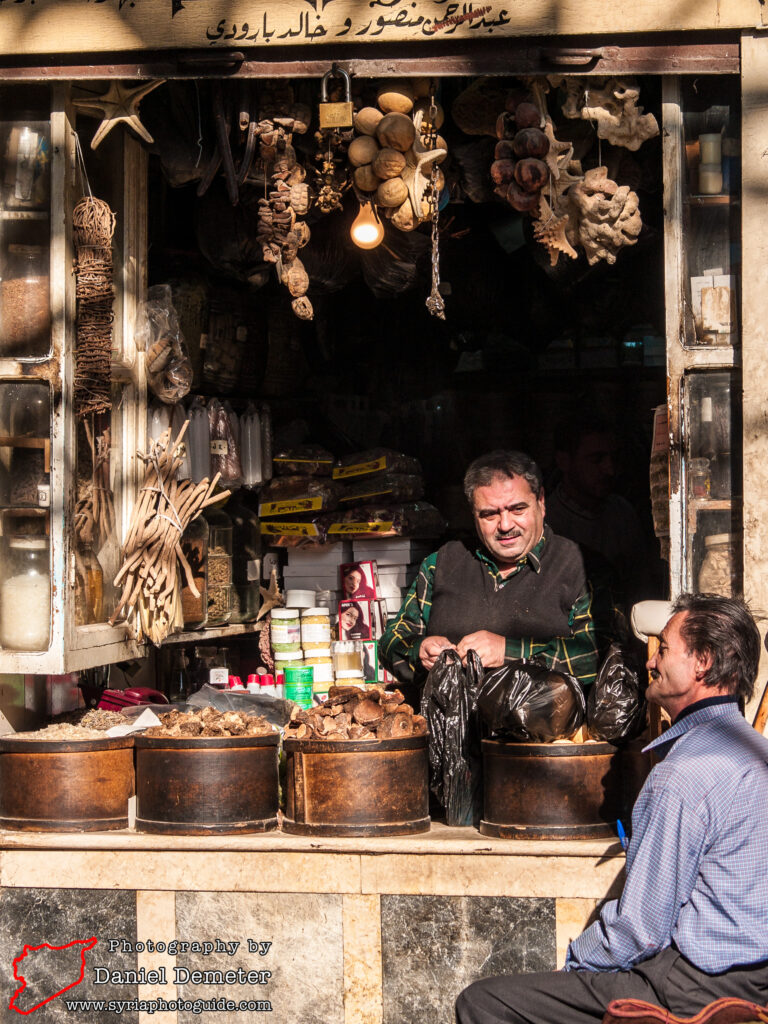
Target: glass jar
25,303
315,628
26,175
719,567
699,478
29,423
25,595
219,567
246,564
89,584
285,631
194,545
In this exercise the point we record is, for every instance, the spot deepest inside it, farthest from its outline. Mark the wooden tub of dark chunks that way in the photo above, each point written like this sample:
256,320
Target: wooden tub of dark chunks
357,766
65,785
207,772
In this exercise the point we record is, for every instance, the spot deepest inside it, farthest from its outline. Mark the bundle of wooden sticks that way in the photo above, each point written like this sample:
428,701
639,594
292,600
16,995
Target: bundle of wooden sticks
151,598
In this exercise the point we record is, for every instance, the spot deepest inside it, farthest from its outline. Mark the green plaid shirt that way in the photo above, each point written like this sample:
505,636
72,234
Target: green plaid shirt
576,653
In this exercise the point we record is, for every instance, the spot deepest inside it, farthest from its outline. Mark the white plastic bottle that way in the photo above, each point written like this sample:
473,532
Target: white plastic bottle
199,440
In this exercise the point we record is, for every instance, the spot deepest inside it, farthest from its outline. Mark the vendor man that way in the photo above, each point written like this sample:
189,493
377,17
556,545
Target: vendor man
692,922
522,592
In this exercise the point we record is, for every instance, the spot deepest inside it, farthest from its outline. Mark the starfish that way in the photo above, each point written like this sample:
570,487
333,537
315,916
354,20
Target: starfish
417,159
270,596
550,231
118,104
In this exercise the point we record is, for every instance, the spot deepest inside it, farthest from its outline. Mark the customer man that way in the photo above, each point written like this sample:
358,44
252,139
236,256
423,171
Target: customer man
523,592
585,507
692,922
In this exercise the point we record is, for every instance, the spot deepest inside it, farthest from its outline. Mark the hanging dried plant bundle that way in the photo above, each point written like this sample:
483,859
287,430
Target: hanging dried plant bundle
93,225
151,598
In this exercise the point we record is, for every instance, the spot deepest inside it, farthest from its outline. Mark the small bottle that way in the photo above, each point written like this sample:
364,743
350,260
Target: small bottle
177,689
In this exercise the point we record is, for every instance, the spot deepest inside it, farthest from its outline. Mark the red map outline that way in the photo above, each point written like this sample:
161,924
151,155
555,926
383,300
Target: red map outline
85,943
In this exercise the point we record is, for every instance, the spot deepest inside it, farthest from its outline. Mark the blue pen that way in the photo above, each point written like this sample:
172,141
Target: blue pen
622,836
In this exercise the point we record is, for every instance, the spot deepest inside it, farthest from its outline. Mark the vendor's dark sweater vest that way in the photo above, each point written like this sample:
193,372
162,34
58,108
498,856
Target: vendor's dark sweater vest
531,604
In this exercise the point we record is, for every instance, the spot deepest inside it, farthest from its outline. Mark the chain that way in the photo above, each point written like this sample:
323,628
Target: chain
434,303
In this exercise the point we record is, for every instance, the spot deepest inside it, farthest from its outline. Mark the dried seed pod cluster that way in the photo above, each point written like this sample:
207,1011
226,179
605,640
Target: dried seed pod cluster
280,232
393,152
519,170
350,713
208,723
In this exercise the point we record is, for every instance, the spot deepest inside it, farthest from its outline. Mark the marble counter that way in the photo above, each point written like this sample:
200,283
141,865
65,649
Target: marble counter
349,931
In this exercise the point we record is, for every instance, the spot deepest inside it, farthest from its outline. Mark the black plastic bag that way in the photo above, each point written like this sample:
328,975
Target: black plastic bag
526,700
449,704
616,704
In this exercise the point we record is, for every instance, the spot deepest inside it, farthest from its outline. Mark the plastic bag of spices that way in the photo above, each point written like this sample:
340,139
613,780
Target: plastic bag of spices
616,705
525,700
225,452
449,704
169,371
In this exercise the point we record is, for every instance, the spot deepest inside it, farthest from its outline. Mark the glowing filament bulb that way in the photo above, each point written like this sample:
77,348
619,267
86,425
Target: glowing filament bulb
367,231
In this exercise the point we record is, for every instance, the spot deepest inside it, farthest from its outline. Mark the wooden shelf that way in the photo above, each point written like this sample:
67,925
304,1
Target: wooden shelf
722,199
202,636
23,215
713,504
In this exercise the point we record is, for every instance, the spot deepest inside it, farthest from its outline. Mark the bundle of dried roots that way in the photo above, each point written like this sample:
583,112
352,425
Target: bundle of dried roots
151,598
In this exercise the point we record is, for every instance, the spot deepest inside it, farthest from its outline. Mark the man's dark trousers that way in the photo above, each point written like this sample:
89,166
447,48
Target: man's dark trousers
581,997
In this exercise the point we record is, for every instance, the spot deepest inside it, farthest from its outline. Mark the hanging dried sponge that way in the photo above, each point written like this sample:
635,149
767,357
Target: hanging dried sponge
614,108
609,215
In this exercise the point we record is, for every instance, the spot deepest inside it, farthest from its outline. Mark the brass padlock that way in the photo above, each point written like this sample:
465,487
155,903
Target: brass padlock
335,115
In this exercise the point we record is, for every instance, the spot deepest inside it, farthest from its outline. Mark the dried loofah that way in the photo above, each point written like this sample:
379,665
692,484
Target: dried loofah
609,215
614,108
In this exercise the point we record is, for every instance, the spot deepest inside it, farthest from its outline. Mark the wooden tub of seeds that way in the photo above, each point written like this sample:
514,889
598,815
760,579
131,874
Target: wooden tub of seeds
65,785
357,766
207,781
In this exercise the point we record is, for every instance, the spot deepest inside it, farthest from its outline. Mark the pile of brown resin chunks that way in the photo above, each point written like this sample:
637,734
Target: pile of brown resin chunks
350,713
205,723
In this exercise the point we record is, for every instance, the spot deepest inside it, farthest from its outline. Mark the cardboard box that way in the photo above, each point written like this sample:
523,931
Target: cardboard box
399,551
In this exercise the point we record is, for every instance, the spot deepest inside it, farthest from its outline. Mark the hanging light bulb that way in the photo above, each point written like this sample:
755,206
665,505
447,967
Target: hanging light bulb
367,231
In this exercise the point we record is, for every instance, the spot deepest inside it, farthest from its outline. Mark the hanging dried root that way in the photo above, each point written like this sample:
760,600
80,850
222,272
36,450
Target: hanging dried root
151,598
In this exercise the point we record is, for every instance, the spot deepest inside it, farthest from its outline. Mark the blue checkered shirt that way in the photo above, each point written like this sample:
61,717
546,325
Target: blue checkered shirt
697,871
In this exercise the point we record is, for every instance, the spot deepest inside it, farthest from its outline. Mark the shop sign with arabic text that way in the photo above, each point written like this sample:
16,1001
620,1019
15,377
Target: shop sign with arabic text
68,26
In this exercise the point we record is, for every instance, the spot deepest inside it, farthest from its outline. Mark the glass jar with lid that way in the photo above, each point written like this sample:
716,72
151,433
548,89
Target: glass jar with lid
219,567
25,303
25,594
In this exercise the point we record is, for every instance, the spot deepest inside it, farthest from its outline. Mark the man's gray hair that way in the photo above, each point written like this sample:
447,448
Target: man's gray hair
484,470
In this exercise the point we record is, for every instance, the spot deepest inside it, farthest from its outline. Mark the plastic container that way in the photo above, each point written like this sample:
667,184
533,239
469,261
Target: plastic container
299,681
316,627
300,599
199,440
285,631
322,667
288,659
25,595
347,658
